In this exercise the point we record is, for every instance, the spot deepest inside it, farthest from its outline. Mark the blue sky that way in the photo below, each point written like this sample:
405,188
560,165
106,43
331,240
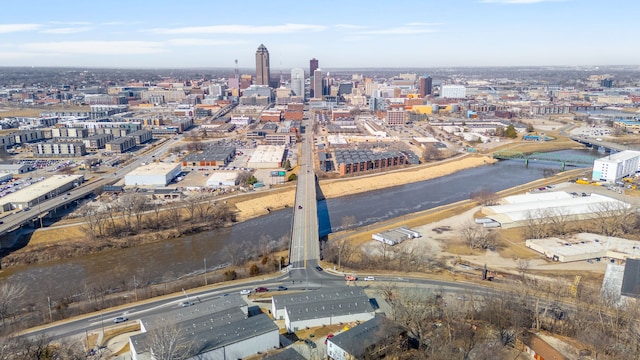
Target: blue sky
347,33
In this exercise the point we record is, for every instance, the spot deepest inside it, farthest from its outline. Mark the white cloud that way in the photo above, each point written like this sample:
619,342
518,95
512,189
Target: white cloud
410,29
9,28
67,30
70,22
241,29
16,55
96,47
517,1
350,26
203,42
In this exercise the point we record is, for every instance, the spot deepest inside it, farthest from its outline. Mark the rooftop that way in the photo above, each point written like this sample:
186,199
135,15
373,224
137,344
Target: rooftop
154,169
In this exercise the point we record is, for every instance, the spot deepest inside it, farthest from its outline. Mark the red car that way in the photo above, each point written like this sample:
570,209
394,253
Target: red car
328,337
261,289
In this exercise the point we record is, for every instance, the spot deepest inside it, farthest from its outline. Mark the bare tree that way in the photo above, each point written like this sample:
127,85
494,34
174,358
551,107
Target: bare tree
485,197
478,237
430,152
167,341
10,299
614,218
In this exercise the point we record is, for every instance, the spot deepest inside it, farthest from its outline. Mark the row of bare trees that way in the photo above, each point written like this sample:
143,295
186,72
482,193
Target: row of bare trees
131,214
608,219
487,326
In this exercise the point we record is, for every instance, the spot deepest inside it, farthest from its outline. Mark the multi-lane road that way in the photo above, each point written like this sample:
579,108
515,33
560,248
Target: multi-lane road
14,221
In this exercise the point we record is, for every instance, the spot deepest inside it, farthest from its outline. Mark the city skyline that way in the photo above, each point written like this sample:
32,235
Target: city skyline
340,34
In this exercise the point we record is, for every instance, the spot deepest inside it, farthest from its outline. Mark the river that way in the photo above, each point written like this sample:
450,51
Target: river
172,259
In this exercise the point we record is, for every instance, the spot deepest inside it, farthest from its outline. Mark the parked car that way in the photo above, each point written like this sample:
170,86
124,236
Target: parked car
310,343
245,292
299,206
369,278
261,289
120,319
328,337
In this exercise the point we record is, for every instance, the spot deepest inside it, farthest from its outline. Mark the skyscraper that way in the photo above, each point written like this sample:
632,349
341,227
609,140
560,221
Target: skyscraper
297,81
313,66
426,85
317,84
263,72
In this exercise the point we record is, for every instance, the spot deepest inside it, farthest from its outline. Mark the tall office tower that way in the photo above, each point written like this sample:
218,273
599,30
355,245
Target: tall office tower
317,84
297,81
313,66
426,86
263,73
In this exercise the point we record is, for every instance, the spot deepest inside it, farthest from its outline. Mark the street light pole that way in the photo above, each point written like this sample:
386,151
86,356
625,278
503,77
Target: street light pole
205,271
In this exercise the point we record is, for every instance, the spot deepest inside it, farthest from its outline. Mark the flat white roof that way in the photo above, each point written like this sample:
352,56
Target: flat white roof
39,189
589,245
268,154
547,205
154,169
222,177
621,156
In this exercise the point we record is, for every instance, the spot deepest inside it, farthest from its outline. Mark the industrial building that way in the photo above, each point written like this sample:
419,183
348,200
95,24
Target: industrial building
35,193
616,166
220,179
585,246
358,341
396,236
212,156
154,174
16,168
518,209
268,157
322,307
220,328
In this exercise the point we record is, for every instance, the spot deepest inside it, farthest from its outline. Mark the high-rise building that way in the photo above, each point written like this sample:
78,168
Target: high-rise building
426,86
297,81
263,72
317,84
313,66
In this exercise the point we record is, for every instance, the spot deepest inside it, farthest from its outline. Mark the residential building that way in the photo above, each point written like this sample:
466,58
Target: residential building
121,144
61,149
453,92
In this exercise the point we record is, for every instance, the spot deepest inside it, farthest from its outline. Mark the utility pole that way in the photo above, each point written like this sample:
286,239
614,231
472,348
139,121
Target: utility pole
135,288
50,314
205,271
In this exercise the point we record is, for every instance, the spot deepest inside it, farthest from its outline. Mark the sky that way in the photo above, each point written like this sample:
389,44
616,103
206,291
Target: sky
340,34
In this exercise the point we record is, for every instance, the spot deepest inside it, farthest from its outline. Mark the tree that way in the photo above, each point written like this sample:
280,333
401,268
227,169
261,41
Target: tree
511,132
287,165
167,341
292,177
530,128
430,152
10,299
254,270
485,197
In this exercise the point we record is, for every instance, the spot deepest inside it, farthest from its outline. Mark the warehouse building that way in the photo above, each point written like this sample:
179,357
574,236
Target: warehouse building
16,168
616,166
46,189
268,157
154,174
395,236
362,339
61,149
220,179
220,328
518,209
322,307
585,246
212,156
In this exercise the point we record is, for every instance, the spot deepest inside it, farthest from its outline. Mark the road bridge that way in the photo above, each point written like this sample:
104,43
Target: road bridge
565,160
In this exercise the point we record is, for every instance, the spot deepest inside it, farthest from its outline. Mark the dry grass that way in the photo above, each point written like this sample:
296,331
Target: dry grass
111,333
56,235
